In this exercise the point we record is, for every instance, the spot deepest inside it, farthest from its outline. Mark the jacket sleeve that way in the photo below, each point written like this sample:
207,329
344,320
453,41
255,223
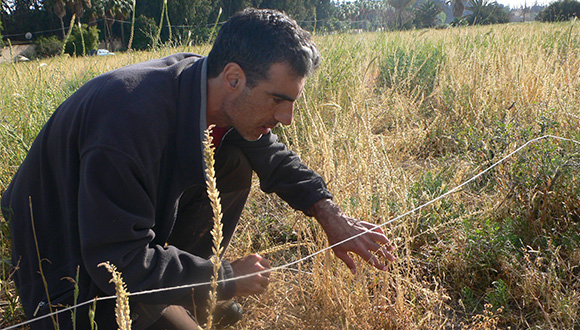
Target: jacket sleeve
116,220
281,171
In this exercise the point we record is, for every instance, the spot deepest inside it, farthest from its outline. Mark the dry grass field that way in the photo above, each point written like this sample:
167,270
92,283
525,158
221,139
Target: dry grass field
393,120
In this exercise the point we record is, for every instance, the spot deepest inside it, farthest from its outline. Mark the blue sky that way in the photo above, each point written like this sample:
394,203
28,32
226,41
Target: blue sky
513,3
520,3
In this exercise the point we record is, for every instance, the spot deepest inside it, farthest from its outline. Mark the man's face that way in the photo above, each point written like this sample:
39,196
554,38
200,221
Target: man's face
271,101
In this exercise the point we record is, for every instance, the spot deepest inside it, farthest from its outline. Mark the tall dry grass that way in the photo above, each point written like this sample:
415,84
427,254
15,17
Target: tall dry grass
393,120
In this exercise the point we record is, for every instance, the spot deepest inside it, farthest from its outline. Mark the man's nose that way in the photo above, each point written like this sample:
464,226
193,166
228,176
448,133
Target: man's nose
285,114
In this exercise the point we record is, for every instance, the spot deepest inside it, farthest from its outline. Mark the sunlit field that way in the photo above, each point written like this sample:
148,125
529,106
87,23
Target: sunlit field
393,120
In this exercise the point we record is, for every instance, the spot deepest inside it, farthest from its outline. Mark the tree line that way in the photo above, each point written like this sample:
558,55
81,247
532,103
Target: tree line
151,22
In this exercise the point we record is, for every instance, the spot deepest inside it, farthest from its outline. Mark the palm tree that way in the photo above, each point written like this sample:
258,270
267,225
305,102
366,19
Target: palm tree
78,7
486,12
427,14
111,11
58,8
120,10
400,6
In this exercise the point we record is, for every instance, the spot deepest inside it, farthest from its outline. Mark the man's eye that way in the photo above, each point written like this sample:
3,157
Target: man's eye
278,100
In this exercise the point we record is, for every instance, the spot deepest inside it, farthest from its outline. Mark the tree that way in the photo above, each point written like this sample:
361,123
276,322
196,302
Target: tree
27,16
1,41
82,40
58,8
299,10
5,6
485,12
230,7
562,10
525,11
400,6
458,8
427,14
145,30
325,12
78,7
118,10
111,11
367,14
194,16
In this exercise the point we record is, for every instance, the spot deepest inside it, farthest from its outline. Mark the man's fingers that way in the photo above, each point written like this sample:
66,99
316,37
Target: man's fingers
372,246
383,247
370,258
260,288
373,228
377,229
381,251
264,281
379,238
251,264
385,253
367,249
265,262
342,255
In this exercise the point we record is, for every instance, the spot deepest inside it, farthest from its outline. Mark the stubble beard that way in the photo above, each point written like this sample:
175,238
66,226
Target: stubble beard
233,110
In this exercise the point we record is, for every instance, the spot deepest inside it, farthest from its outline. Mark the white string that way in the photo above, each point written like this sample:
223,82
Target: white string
187,286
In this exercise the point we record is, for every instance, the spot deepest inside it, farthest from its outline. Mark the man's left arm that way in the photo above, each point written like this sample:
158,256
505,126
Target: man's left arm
281,171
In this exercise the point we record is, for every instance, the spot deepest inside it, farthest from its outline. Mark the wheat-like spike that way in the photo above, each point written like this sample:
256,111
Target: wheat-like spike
216,232
122,311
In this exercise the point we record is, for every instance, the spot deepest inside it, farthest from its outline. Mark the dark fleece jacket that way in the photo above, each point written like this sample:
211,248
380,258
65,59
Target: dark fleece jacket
102,182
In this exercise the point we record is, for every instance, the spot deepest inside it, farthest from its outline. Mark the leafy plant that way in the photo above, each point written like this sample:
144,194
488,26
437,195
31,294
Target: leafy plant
145,29
562,10
48,46
498,297
1,41
82,40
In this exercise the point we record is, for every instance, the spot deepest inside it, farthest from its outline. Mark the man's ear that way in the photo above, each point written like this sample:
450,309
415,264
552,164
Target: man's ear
233,78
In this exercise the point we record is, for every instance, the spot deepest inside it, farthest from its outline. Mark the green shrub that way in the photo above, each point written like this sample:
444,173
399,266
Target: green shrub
562,10
74,44
1,41
48,46
145,32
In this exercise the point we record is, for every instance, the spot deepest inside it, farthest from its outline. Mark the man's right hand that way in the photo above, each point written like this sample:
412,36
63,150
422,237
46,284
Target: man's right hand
255,284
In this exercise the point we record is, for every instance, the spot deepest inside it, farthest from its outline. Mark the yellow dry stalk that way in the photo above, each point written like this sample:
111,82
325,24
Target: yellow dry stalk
122,311
282,247
216,232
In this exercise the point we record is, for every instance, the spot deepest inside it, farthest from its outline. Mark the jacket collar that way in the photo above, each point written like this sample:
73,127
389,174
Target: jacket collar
191,117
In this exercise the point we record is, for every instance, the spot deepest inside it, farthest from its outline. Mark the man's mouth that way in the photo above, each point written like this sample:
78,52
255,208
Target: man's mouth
265,130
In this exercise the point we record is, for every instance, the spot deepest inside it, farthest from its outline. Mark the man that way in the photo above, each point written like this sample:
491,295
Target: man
117,175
